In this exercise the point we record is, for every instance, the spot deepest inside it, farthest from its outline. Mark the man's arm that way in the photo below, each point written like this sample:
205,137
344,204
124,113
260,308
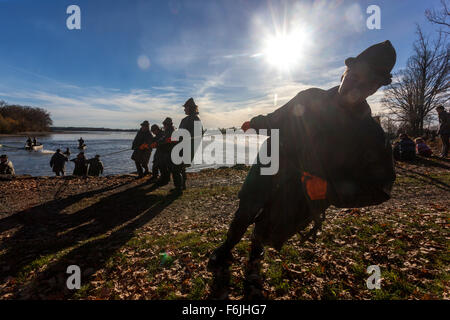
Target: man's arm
295,107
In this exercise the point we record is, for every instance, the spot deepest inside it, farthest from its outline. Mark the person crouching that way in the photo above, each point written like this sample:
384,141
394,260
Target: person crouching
422,149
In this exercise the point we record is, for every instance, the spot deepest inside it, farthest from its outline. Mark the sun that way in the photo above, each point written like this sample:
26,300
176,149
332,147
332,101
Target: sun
284,51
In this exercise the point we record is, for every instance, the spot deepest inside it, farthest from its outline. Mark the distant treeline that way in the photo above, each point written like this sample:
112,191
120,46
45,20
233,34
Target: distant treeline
16,118
89,129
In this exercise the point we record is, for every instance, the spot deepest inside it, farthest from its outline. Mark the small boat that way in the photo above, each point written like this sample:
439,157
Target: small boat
34,148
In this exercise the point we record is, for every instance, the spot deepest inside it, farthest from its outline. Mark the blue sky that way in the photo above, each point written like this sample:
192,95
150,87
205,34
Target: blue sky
136,60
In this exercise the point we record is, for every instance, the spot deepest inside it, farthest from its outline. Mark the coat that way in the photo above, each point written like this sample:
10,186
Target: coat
58,162
444,123
95,167
405,150
323,147
423,150
7,168
142,156
158,157
163,145
188,123
81,167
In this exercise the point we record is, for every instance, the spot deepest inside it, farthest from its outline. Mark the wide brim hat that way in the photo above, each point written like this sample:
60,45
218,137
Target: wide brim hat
190,103
379,60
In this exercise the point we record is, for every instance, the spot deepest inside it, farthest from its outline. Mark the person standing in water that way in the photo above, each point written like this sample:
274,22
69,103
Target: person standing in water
81,165
58,163
95,166
81,144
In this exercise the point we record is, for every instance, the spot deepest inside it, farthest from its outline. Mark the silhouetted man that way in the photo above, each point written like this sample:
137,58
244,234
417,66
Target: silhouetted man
188,123
142,149
331,152
58,163
444,129
95,166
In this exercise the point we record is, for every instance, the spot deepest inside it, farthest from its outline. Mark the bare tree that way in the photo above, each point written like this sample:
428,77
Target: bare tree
421,86
440,17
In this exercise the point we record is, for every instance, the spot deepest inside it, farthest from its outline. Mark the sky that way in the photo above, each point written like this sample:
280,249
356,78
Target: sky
135,60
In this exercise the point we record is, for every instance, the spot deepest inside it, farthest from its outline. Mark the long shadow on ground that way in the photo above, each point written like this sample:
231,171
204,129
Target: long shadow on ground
416,174
47,230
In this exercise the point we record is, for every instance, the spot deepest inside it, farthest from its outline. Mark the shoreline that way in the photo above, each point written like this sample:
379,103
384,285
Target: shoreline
239,167
46,133
36,134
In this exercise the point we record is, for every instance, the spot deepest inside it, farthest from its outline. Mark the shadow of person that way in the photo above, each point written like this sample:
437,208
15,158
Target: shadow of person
425,178
43,213
429,163
111,221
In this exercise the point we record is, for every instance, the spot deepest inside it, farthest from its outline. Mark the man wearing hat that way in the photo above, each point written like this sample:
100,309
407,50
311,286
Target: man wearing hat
6,166
95,166
81,165
167,166
142,150
188,123
58,163
331,152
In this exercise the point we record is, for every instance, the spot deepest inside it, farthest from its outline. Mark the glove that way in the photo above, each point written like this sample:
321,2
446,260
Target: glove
143,146
153,145
246,126
316,187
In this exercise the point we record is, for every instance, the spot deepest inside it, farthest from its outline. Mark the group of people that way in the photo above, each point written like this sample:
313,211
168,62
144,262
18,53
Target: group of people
149,138
83,167
30,143
406,149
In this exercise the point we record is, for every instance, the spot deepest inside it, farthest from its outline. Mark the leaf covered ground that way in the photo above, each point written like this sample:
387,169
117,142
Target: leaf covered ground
133,241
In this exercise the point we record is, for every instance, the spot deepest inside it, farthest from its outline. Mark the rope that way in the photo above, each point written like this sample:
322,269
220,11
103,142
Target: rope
109,154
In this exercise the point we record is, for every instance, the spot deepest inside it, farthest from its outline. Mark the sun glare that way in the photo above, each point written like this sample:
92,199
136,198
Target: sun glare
284,51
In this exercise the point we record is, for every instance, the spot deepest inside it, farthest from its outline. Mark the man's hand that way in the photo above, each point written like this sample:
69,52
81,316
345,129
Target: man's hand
143,146
170,140
246,126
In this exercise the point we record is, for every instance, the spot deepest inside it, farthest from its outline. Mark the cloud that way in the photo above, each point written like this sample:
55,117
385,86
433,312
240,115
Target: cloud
222,67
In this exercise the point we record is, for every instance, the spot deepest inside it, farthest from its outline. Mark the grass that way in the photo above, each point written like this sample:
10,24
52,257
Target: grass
334,268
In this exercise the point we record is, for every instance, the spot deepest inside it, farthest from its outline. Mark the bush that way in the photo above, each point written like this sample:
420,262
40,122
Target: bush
16,118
